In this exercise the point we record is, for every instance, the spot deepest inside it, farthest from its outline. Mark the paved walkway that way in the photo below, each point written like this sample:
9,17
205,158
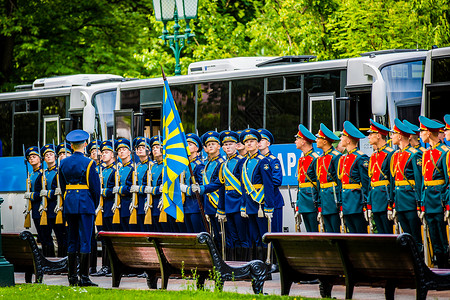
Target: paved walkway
244,287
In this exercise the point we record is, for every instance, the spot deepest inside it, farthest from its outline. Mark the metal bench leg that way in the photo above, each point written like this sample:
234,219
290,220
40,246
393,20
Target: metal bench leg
201,281
28,276
257,285
152,280
325,289
285,285
421,292
389,290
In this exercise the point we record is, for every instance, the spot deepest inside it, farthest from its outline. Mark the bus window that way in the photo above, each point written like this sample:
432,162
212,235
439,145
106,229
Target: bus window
123,124
409,112
212,106
51,129
440,70
437,104
6,130
322,110
283,115
184,97
105,104
26,131
247,103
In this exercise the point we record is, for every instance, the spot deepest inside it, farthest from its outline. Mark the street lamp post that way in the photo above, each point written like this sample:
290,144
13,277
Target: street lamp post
173,10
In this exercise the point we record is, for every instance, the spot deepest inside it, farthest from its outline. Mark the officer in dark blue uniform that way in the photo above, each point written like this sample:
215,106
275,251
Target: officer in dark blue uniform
211,183
275,165
307,197
192,215
123,149
380,194
228,210
327,180
80,184
257,190
353,174
33,197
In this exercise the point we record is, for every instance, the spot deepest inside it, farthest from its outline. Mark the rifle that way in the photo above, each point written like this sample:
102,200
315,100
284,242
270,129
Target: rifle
199,201
43,206
369,217
134,197
27,210
149,202
427,251
116,206
58,208
297,223
99,210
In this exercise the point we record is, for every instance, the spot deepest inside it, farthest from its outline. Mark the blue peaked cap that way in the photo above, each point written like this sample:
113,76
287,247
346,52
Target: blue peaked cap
210,136
411,126
229,136
350,130
326,133
304,133
265,134
77,136
193,138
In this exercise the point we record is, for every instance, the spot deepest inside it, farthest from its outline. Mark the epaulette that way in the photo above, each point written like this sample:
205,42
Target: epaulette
260,156
240,156
120,165
389,149
413,150
197,161
444,147
272,156
359,152
220,159
335,152
315,155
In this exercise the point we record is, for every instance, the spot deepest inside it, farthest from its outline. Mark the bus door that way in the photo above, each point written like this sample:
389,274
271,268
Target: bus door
124,124
151,121
322,109
51,129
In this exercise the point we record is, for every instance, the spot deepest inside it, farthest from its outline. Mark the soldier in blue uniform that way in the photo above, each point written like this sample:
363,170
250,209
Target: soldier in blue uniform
327,180
211,183
240,147
63,150
159,223
406,170
34,198
307,196
51,193
275,165
142,148
123,149
434,201
192,216
381,193
353,174
257,190
228,210
80,184
93,152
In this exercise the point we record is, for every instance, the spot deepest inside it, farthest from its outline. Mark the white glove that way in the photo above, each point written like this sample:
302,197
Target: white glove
446,215
146,206
319,217
207,218
183,188
131,207
244,214
27,195
366,215
115,190
221,218
58,191
148,189
390,215
160,204
195,188
341,214
369,214
160,188
43,193
134,189
298,217
421,215
268,215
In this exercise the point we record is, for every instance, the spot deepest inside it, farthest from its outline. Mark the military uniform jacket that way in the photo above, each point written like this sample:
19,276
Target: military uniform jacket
435,178
211,185
36,187
355,181
257,184
156,181
307,196
381,191
141,180
406,170
191,203
328,181
230,176
277,173
51,175
125,182
80,184
108,173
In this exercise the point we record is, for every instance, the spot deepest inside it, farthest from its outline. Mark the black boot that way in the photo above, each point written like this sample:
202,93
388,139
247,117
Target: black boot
105,269
84,269
72,269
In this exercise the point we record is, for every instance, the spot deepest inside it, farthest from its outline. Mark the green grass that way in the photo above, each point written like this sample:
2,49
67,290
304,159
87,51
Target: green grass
42,291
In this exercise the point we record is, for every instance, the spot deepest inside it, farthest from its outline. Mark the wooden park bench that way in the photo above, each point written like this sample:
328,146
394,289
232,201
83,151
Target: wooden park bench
391,261
21,250
174,254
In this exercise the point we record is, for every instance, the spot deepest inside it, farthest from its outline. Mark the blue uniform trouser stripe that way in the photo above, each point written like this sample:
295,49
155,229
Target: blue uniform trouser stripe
382,223
277,220
331,223
194,223
355,223
310,222
410,223
80,232
438,236
236,229
257,228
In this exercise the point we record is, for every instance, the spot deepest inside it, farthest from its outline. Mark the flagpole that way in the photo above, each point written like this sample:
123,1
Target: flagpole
197,195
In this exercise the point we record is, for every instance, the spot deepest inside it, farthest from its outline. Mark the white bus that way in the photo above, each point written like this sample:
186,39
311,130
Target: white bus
274,93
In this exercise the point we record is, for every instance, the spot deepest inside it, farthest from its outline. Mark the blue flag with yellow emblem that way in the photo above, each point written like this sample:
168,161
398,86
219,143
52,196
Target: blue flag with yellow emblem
175,156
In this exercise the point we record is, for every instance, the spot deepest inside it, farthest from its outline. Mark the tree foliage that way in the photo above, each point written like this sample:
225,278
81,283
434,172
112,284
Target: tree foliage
40,38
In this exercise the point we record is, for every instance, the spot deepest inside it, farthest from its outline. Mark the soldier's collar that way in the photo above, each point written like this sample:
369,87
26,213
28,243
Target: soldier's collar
309,152
159,162
215,158
267,154
353,150
110,165
382,148
435,146
406,148
145,161
52,168
328,151
37,169
232,156
193,159
127,164
254,155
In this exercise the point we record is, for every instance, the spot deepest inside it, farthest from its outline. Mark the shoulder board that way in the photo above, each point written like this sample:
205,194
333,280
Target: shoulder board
315,155
220,159
413,150
260,156
240,156
198,161
272,156
360,152
389,149
120,165
335,152
444,147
